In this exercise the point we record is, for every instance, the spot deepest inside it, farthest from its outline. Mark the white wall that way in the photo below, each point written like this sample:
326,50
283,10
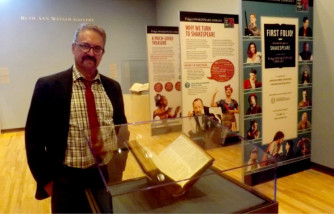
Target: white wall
323,84
38,47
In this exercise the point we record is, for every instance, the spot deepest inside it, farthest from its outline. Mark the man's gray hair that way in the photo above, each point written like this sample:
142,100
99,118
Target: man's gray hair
89,26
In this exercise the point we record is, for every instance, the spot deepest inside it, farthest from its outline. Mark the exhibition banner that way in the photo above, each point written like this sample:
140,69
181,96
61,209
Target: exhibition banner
209,66
279,77
164,72
277,84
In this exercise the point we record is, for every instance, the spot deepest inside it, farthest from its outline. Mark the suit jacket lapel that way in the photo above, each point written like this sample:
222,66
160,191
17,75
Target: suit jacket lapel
64,91
109,88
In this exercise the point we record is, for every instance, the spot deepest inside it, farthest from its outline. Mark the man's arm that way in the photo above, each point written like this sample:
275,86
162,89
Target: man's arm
35,139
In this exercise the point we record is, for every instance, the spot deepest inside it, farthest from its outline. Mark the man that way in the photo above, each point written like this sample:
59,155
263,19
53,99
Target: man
305,54
198,107
253,132
305,30
57,152
252,82
204,131
303,147
201,114
202,122
252,29
253,108
304,123
305,102
289,150
253,162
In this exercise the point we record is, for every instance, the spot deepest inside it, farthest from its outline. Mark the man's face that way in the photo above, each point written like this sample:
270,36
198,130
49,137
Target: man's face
252,101
306,23
305,73
254,126
287,147
252,76
90,60
198,107
304,117
303,150
252,19
305,46
304,95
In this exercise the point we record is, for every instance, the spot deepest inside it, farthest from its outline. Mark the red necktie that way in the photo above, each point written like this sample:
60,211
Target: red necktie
92,117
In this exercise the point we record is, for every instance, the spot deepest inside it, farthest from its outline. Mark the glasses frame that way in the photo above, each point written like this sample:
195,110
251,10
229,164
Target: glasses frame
85,47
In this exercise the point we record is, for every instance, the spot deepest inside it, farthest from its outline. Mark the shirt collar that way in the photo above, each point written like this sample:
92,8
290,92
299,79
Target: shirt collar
78,76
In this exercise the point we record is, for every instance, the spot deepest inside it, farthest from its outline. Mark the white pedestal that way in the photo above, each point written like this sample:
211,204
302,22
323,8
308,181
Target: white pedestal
137,107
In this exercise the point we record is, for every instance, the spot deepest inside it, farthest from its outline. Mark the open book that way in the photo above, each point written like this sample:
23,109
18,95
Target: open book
180,161
138,87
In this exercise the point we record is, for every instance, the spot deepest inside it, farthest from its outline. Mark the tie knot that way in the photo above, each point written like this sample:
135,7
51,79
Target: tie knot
87,83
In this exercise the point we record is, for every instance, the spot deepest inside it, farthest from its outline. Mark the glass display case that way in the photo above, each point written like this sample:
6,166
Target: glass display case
133,71
182,165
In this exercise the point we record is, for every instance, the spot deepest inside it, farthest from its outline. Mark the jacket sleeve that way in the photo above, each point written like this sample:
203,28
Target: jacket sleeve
119,114
35,139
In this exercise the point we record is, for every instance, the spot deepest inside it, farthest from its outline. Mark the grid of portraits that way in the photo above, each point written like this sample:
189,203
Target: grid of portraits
286,149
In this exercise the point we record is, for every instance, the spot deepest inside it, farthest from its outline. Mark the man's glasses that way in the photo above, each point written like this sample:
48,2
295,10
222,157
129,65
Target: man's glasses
86,48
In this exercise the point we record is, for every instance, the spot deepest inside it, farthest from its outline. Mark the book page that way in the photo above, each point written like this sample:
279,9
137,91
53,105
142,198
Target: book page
138,87
181,159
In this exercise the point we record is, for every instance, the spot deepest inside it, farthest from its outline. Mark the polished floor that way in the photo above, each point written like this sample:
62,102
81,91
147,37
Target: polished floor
309,191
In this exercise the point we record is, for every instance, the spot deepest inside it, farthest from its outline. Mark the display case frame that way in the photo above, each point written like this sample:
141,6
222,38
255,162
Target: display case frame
219,188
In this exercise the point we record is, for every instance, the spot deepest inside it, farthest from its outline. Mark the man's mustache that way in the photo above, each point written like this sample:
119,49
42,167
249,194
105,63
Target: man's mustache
89,58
